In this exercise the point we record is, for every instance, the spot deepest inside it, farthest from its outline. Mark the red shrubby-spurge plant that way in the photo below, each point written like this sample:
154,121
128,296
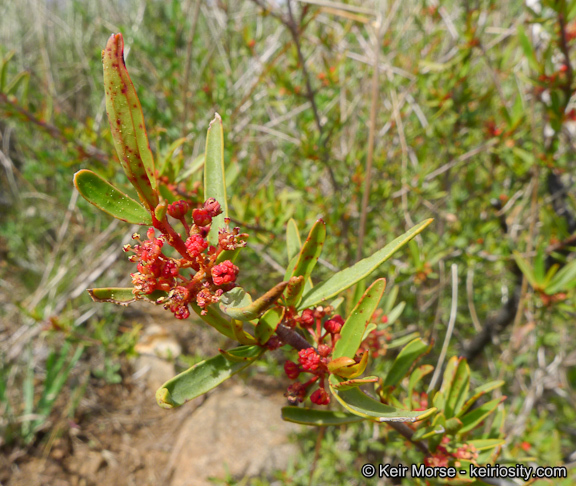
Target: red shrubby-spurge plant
187,264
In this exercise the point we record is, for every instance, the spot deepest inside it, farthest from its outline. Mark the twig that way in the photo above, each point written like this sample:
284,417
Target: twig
189,65
85,151
292,338
370,156
451,322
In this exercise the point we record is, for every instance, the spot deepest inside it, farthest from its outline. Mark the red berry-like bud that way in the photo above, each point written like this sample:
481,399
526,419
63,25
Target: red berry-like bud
320,397
309,359
307,318
179,209
224,273
180,311
324,350
334,325
213,207
196,245
291,369
201,217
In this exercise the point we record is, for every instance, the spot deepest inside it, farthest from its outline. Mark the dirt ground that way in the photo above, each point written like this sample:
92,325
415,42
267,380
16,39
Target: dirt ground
123,438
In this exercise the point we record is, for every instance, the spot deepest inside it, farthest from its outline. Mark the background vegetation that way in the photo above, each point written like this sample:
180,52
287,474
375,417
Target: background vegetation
371,115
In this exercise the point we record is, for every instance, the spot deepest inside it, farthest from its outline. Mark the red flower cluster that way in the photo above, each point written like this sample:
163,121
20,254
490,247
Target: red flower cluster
309,359
196,277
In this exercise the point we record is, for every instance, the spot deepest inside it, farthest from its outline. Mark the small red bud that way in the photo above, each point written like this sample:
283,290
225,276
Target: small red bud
324,350
179,209
320,397
307,318
334,325
213,207
291,369
201,217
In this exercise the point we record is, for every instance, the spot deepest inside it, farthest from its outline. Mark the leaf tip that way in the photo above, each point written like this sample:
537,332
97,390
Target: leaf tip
164,398
217,118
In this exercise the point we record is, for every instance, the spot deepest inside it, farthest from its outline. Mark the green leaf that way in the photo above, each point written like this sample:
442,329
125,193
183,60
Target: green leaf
124,295
308,256
127,123
354,327
354,383
404,361
238,304
195,166
473,418
349,276
347,367
320,418
163,163
478,392
526,270
205,376
416,377
564,280
485,444
357,402
214,319
240,335
293,242
214,174
268,324
395,313
459,388
107,198
527,48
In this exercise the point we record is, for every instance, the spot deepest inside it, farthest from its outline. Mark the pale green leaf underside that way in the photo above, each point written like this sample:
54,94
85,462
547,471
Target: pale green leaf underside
205,376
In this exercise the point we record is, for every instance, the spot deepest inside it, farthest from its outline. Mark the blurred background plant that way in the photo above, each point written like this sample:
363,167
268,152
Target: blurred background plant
371,115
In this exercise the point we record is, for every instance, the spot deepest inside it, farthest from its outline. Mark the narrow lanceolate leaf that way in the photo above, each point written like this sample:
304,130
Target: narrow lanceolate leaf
473,418
127,123
478,392
354,327
357,402
236,305
124,296
564,280
348,277
354,383
404,361
319,418
309,254
293,242
204,376
107,198
214,174
459,390
268,324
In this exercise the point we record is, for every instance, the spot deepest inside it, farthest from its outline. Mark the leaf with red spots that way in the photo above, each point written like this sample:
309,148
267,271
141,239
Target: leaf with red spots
354,327
109,199
127,123
357,402
124,295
